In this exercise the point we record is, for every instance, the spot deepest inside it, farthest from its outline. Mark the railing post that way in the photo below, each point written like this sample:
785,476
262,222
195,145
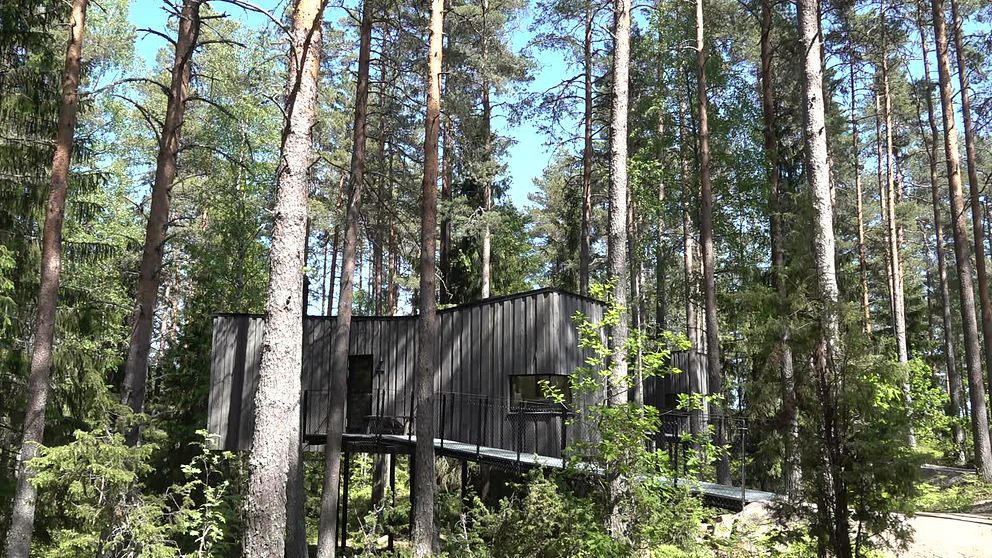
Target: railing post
743,426
478,427
443,407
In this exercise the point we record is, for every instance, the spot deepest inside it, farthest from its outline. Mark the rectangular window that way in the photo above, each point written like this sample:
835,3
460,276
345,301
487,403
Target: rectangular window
536,392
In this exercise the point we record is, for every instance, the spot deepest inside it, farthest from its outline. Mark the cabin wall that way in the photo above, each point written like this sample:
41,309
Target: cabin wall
661,392
480,347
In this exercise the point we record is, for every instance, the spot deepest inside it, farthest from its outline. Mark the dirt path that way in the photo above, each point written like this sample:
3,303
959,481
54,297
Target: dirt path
950,535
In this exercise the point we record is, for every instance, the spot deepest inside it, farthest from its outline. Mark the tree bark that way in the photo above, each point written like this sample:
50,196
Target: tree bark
706,240
445,258
833,498
424,471
136,367
791,473
487,182
617,265
883,202
634,308
894,232
975,189
275,445
661,254
327,535
585,241
336,242
859,192
617,239
25,498
892,236
688,262
962,252
954,388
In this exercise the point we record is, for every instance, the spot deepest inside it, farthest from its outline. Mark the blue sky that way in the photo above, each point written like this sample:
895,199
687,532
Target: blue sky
527,157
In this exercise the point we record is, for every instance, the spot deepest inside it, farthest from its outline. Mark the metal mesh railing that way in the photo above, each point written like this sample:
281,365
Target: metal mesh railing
683,435
519,434
462,422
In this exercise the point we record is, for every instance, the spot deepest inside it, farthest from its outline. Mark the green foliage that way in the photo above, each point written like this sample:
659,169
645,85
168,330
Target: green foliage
963,495
94,501
931,423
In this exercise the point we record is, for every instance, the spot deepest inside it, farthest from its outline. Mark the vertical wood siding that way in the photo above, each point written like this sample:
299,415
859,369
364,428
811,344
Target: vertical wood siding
481,346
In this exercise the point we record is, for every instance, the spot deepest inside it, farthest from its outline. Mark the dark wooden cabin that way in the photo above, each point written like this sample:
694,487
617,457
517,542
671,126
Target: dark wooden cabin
495,357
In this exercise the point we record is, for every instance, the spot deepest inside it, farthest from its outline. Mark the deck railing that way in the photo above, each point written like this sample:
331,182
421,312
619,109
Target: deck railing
483,424
460,420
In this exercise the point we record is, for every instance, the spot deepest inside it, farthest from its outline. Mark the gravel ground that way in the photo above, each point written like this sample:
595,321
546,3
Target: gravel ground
950,535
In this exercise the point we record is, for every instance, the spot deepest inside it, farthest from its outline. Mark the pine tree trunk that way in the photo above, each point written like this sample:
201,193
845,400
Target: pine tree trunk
894,233
617,239
617,265
336,243
487,183
635,307
832,500
136,367
585,242
39,381
706,241
859,192
275,445
327,535
975,189
661,260
688,262
445,258
883,198
954,387
962,252
791,473
424,480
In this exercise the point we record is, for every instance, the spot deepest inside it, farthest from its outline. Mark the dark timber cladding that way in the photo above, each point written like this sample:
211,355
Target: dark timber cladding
481,346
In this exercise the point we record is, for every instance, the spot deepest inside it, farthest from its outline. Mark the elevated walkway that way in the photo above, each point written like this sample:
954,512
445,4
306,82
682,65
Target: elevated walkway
718,495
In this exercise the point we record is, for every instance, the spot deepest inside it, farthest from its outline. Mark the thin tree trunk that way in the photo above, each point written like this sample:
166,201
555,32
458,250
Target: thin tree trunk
661,259
892,236
276,443
955,388
136,367
975,189
894,233
445,258
859,192
706,240
327,535
487,184
617,265
39,382
833,499
689,251
791,473
883,200
635,306
962,252
424,478
394,262
323,269
336,242
585,241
